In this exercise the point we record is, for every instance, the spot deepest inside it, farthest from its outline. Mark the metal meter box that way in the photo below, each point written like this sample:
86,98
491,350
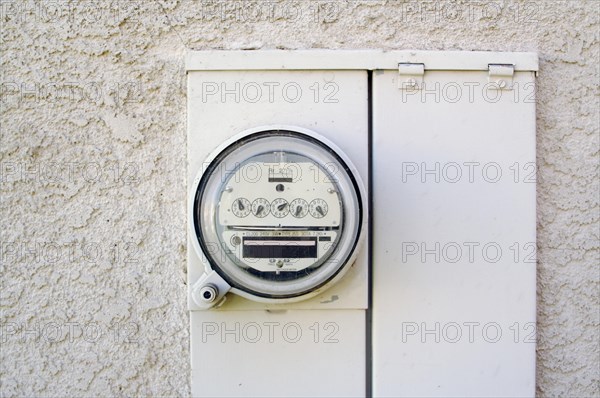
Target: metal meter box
361,223
277,174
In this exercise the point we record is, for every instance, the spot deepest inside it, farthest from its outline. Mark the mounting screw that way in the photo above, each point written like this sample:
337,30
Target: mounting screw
208,293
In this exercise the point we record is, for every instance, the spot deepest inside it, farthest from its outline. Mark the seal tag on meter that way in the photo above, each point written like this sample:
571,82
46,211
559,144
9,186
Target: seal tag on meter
278,215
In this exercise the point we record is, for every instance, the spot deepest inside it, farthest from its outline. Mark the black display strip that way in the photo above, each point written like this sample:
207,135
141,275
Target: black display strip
280,247
280,251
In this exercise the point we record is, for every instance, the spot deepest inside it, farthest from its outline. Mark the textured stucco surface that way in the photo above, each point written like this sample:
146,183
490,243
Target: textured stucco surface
93,185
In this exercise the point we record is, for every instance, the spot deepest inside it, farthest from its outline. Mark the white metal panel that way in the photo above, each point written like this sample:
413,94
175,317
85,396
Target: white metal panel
452,316
316,353
333,104
353,59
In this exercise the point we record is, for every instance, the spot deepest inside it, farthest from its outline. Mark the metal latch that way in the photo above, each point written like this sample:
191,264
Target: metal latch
501,76
410,76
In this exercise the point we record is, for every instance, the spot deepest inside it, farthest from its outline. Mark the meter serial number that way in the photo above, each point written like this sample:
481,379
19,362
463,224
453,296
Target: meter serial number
285,233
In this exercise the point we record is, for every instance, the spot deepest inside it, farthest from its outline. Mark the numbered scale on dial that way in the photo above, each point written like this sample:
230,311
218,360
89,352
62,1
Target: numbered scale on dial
278,214
261,207
318,208
241,207
280,208
299,208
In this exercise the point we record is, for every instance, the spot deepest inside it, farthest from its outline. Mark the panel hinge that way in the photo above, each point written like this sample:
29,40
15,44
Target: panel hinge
501,76
410,76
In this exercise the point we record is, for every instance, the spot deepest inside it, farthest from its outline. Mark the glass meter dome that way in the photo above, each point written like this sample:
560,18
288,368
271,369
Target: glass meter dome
278,213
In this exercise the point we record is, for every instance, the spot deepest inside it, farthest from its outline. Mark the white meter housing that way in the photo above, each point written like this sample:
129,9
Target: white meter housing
278,214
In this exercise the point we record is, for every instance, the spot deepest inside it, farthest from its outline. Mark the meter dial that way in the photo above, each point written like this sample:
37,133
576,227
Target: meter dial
241,207
318,208
261,207
280,207
299,207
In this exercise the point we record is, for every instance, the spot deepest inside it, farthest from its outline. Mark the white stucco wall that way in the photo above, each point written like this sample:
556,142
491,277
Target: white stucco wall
93,223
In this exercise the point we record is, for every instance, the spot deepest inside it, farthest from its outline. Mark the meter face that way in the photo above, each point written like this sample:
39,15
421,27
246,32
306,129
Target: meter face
278,214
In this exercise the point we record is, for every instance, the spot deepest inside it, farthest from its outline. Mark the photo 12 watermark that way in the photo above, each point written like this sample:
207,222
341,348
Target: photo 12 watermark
468,252
251,92
269,332
468,332
83,13
82,252
468,172
19,93
261,11
472,11
70,332
70,172
460,92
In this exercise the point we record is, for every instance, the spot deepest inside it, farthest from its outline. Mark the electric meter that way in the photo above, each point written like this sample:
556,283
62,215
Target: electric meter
278,215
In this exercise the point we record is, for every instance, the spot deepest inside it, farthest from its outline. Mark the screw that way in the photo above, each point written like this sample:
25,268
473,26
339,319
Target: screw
208,293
